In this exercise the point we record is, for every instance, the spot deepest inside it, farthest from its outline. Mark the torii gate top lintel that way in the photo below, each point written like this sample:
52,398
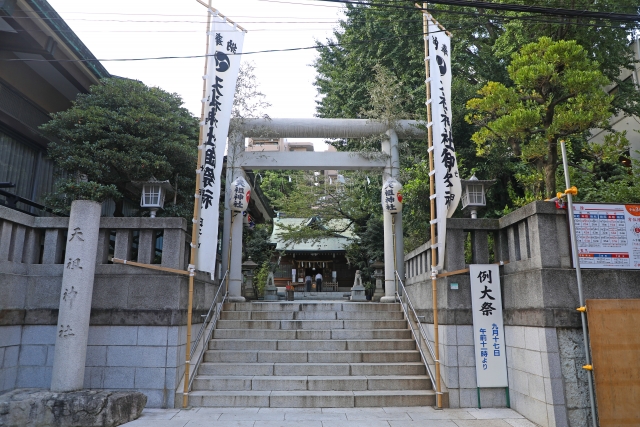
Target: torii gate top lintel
324,128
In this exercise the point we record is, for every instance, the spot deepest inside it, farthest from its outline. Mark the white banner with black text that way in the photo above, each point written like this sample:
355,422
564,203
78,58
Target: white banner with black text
225,46
488,327
448,187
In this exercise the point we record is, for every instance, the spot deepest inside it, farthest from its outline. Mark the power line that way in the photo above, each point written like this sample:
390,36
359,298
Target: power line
517,2
317,46
504,7
206,55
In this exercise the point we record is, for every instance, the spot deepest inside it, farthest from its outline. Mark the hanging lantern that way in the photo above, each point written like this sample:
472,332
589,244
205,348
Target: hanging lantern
240,195
392,196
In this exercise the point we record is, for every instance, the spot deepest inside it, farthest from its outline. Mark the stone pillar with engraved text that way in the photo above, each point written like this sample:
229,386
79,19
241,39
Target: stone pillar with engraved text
72,329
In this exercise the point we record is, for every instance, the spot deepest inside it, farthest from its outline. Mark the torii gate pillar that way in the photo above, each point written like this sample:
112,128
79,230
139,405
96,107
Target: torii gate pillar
232,225
390,147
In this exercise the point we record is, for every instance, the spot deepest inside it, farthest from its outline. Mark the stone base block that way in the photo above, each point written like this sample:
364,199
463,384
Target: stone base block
43,408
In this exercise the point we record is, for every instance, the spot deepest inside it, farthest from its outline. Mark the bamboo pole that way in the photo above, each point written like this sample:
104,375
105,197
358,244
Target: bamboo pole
149,266
465,270
434,258
195,227
220,15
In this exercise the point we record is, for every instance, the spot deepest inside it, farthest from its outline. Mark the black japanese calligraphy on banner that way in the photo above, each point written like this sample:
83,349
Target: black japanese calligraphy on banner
488,327
447,179
225,44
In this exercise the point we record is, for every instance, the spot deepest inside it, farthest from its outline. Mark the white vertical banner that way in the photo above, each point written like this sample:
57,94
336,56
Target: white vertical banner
488,327
448,187
225,47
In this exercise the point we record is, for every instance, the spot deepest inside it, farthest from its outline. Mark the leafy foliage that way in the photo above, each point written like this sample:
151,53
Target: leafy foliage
260,278
482,46
124,131
603,172
256,243
556,93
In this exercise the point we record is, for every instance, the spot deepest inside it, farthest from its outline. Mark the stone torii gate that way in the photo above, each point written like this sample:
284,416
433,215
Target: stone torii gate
239,160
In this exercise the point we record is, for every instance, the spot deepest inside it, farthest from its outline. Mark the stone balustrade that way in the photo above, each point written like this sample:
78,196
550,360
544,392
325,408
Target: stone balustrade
138,320
26,239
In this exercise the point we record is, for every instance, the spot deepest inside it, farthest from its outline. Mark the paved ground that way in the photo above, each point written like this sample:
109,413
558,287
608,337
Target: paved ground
330,417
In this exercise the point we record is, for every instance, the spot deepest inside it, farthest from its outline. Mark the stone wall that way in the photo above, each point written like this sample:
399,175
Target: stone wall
138,317
543,334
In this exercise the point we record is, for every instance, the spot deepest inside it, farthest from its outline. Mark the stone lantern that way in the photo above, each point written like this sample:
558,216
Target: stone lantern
248,268
153,194
473,194
378,274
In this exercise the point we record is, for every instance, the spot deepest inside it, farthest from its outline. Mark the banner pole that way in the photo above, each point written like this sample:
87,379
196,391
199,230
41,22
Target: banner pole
434,257
194,227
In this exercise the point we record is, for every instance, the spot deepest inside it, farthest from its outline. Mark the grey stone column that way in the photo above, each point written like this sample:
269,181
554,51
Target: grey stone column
389,274
235,264
400,249
6,230
389,147
480,246
53,245
72,329
236,225
147,246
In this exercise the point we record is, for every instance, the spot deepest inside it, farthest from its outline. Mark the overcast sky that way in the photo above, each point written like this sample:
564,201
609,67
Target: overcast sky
127,29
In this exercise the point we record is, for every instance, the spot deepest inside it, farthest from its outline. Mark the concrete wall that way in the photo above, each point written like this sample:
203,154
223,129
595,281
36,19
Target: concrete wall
138,316
543,334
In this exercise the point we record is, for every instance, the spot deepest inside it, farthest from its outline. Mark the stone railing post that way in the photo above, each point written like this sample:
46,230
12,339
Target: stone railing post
480,247
147,246
122,249
53,246
454,259
173,248
6,230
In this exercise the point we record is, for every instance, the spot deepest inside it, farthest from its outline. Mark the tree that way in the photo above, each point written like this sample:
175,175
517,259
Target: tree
556,93
302,194
256,243
482,45
124,131
603,172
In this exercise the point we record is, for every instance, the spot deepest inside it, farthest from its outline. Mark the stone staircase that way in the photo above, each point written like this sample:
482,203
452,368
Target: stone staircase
311,354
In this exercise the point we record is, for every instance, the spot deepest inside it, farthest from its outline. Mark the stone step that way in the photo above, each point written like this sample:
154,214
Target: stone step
285,356
312,345
317,383
313,369
311,324
318,296
312,399
293,334
312,315
310,306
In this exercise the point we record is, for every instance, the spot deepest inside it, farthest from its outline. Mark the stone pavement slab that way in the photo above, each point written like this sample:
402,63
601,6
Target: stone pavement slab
420,416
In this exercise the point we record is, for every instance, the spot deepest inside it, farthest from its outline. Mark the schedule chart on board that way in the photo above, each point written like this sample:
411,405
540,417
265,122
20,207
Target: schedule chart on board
608,235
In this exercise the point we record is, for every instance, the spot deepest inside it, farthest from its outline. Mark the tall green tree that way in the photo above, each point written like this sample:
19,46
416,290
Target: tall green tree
124,131
556,93
482,44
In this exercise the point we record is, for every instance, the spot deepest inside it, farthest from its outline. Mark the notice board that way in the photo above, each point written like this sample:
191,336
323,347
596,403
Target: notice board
608,235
